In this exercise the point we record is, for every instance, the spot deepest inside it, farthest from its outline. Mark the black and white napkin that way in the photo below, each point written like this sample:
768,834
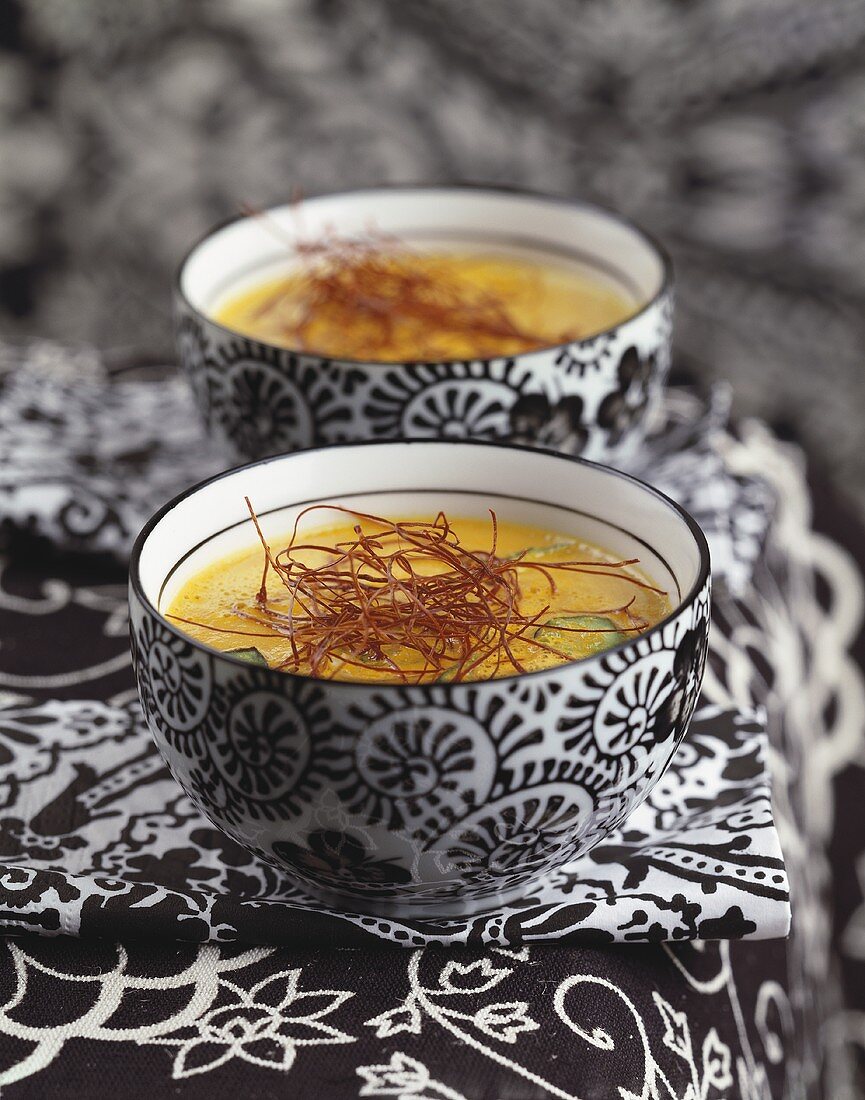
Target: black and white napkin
87,454
96,838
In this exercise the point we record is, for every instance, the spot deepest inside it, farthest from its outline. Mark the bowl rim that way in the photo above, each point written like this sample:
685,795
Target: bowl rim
666,283
461,686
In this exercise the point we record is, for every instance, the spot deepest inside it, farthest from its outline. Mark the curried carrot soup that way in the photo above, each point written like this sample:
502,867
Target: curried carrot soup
377,299
417,600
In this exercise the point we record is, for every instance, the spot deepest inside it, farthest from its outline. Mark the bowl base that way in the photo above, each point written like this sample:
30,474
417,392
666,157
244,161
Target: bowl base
414,906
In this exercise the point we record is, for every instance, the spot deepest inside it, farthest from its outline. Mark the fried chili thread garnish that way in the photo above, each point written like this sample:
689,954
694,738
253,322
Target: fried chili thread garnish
407,587
377,295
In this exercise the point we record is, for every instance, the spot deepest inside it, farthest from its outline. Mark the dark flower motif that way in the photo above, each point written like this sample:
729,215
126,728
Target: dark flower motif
455,410
417,766
537,422
625,406
192,351
191,343
174,680
643,695
679,703
521,835
263,749
688,667
268,412
338,859
641,707
468,400
265,746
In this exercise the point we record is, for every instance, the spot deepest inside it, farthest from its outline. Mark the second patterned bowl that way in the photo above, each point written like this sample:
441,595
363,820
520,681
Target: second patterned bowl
438,799
592,396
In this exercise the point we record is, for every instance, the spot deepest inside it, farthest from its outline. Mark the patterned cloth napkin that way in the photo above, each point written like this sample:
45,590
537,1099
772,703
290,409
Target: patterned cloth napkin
87,454
96,838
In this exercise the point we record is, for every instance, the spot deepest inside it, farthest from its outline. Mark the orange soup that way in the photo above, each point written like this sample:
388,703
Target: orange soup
388,303
418,600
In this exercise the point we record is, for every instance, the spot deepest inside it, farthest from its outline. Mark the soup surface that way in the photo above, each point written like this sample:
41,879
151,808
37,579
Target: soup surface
418,601
370,302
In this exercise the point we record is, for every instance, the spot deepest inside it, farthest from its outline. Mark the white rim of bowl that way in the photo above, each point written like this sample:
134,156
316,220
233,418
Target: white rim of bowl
687,600
650,241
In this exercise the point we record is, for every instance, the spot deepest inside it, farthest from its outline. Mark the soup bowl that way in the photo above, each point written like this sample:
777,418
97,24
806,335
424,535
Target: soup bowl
437,799
593,396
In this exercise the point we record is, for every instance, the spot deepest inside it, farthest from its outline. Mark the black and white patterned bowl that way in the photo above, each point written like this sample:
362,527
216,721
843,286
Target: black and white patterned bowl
593,397
427,800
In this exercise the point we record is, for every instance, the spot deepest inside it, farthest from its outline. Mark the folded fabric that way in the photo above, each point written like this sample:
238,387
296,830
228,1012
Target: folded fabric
96,838
87,455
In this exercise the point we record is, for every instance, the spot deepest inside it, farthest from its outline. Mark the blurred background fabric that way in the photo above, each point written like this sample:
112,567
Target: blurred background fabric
733,130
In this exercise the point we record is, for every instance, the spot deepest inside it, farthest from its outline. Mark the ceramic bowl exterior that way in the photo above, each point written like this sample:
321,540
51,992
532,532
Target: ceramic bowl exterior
441,799
592,397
